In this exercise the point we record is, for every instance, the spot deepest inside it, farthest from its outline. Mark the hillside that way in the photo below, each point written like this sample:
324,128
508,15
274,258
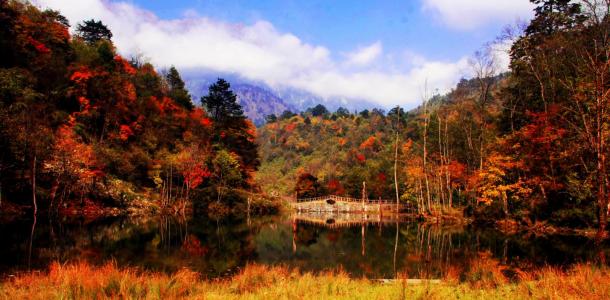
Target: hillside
341,152
80,124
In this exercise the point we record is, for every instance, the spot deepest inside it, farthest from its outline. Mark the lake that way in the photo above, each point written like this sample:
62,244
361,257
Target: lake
374,249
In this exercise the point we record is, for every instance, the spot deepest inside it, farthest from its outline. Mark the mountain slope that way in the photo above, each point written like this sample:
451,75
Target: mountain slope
258,102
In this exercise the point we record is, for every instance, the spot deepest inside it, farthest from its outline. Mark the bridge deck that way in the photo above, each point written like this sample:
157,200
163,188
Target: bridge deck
334,203
344,199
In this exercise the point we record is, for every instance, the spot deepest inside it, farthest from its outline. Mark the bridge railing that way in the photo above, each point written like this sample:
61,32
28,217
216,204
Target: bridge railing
345,199
331,197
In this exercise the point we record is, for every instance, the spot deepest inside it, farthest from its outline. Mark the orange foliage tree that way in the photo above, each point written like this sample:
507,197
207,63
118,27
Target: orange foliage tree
72,163
499,180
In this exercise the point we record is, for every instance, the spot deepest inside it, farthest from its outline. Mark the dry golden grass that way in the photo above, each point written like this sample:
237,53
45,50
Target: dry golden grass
83,281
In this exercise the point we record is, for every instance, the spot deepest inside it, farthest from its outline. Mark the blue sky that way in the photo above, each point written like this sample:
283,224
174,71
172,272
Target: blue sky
345,24
382,51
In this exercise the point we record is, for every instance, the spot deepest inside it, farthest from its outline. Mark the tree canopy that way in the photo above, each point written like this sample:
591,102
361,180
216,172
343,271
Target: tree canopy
177,90
92,31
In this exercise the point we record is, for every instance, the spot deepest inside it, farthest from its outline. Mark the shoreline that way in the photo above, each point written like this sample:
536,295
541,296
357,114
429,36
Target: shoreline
10,211
92,211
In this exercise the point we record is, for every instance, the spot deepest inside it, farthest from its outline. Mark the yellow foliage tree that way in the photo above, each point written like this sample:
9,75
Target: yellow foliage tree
499,180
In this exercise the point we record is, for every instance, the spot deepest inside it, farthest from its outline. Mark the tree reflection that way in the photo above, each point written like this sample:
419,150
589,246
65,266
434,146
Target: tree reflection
222,247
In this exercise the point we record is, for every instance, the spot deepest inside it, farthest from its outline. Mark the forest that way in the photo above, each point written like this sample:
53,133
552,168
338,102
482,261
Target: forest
116,183
82,126
528,146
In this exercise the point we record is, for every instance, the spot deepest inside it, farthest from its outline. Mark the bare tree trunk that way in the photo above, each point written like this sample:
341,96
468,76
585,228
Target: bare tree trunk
396,158
294,234
171,182
421,206
34,186
396,172
219,188
481,151
447,162
364,195
249,222
441,158
425,154
602,198
439,181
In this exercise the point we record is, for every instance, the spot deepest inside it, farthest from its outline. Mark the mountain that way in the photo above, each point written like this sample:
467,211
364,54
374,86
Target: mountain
260,100
303,100
256,100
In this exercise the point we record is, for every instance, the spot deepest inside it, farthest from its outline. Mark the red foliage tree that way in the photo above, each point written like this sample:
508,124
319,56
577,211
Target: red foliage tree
335,187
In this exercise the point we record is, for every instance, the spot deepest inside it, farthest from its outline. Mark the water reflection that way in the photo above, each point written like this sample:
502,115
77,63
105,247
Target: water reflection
372,247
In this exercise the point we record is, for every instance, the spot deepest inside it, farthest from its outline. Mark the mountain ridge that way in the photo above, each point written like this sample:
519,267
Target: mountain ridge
259,100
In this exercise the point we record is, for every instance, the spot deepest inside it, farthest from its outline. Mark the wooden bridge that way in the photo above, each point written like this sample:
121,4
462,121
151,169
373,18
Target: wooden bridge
341,204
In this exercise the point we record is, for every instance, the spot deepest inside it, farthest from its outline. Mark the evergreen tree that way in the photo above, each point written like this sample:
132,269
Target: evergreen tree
272,118
92,31
342,112
318,110
222,104
177,91
232,130
287,115
554,15
365,113
397,113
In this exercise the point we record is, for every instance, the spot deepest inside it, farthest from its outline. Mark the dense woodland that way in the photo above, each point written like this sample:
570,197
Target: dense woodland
80,124
529,145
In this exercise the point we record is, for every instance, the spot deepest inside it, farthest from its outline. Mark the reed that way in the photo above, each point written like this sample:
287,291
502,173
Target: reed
85,281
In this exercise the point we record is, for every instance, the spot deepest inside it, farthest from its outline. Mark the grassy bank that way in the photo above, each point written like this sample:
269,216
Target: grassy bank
83,281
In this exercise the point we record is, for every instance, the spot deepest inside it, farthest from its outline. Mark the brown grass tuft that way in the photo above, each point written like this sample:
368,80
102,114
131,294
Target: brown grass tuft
484,280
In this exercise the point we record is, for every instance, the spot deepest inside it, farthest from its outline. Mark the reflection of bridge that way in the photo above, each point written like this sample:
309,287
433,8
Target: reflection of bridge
341,220
334,220
333,203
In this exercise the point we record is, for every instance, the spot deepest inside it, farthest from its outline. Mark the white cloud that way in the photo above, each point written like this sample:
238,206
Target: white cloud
501,53
469,14
260,52
365,55
387,89
413,58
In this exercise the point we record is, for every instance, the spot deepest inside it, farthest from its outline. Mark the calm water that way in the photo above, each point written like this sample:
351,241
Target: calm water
220,248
